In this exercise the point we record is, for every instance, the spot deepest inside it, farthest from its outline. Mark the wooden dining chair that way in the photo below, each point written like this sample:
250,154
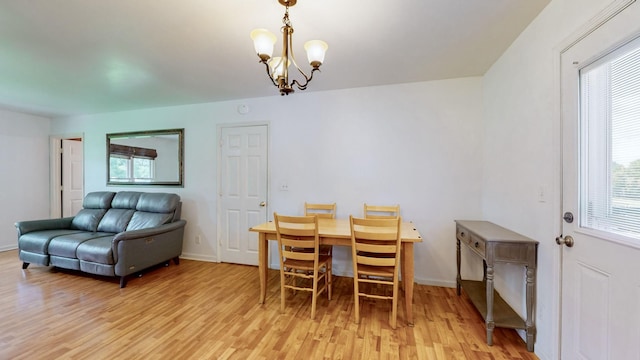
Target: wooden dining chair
301,233
323,211
381,211
375,248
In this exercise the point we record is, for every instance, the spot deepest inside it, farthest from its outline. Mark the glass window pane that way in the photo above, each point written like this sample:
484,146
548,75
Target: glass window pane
118,168
143,169
610,143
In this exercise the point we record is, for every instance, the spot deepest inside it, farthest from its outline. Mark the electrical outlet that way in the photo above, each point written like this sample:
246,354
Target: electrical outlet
284,187
198,239
542,194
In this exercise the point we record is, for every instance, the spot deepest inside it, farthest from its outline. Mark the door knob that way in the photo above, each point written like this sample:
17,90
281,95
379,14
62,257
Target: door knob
263,204
566,240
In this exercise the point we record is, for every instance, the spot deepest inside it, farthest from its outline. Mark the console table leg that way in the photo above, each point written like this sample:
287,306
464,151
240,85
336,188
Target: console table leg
489,320
531,295
458,277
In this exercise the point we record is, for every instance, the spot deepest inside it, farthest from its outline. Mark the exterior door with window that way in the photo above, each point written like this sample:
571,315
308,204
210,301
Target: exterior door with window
243,191
600,91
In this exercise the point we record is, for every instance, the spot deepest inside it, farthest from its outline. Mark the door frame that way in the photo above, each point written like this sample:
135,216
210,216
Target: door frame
219,128
606,14
55,171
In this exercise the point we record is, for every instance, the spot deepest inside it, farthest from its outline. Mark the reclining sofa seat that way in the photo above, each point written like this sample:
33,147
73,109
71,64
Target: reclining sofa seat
115,234
34,237
62,249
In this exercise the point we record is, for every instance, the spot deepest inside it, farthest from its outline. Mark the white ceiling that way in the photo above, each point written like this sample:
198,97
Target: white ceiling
69,57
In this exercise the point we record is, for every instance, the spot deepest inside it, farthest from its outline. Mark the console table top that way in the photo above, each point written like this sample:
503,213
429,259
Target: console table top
491,232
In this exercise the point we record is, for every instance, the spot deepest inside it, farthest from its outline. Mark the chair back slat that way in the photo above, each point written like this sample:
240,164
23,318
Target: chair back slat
381,211
326,211
382,248
299,255
376,261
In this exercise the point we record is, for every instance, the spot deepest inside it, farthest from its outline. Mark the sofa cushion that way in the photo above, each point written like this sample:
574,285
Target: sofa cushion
95,206
87,219
38,241
64,262
95,268
98,200
66,245
115,220
154,209
158,202
96,250
126,200
144,220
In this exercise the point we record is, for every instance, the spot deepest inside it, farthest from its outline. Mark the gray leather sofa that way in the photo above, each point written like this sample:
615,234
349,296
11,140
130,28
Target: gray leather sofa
115,234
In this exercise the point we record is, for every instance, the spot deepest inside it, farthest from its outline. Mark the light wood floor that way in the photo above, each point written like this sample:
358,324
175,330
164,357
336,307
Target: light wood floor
201,310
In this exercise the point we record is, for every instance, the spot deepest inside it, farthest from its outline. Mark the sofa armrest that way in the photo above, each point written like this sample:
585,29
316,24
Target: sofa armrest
25,227
137,249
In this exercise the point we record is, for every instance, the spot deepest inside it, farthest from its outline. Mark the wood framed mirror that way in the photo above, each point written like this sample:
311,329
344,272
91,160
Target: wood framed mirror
146,158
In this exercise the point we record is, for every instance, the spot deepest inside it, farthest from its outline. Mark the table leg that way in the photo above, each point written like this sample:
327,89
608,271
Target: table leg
403,269
490,323
263,259
458,277
531,299
406,264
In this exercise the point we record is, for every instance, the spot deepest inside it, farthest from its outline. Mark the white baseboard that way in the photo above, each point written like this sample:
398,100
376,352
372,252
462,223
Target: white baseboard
8,247
198,257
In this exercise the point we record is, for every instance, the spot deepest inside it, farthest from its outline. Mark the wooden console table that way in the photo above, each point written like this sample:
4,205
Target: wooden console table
495,244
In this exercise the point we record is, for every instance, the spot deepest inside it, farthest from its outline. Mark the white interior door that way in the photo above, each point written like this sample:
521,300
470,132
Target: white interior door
72,177
601,189
243,191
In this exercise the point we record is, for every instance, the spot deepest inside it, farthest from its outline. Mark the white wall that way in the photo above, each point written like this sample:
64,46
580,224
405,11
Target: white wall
417,145
24,158
521,153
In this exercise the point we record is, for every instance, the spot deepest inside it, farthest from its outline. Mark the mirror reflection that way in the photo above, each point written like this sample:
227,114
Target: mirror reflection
145,158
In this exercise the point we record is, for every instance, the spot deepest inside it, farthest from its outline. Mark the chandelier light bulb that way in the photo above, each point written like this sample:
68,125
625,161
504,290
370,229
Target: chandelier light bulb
263,41
277,67
315,52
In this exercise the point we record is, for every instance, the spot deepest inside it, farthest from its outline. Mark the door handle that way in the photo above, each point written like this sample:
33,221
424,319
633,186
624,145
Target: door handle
263,204
565,240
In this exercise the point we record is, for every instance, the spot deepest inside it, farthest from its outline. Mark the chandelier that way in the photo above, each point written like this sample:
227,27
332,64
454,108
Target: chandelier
278,67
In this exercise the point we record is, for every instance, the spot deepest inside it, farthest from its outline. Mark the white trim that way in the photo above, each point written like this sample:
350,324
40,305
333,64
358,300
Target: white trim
8,248
55,201
592,25
198,257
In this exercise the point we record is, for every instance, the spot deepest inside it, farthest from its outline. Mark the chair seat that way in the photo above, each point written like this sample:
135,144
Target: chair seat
306,264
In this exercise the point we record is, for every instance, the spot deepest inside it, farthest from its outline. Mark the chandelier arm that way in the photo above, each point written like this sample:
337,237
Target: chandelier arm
269,73
307,79
295,63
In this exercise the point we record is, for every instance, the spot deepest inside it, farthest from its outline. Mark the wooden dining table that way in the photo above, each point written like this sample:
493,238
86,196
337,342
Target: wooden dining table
338,232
